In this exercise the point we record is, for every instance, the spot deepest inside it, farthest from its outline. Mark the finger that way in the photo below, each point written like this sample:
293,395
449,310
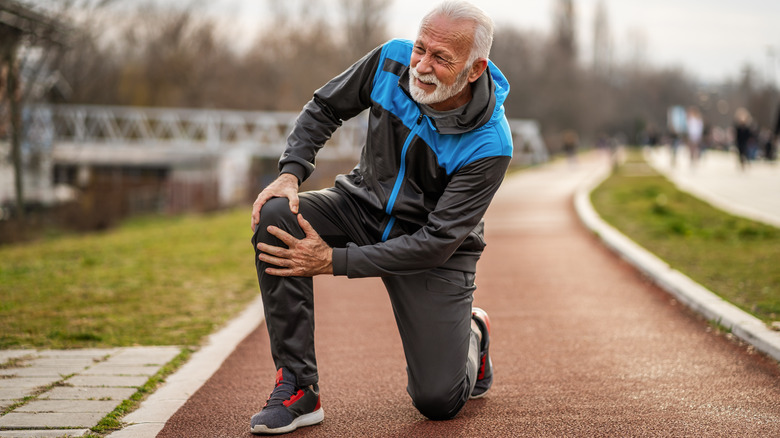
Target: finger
280,272
255,217
272,260
273,250
255,220
256,207
286,238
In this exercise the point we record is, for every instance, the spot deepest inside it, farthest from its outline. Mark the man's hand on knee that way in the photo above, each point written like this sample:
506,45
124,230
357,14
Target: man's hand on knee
284,186
305,257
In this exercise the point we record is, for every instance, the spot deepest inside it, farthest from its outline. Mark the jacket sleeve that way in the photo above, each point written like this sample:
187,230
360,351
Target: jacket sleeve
344,97
458,212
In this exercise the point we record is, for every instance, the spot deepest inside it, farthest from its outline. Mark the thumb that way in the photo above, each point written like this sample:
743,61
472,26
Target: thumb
308,230
294,203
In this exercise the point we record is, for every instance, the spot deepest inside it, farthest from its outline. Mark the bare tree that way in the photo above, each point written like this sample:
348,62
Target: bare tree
602,41
365,25
565,28
28,41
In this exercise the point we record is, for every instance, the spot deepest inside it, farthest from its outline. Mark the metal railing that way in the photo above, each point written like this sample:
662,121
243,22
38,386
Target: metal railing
205,130
264,133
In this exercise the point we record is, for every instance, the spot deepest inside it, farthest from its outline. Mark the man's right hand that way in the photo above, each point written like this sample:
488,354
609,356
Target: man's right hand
284,186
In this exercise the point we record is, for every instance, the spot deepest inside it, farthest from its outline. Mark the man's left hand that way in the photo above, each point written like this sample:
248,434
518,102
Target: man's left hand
305,257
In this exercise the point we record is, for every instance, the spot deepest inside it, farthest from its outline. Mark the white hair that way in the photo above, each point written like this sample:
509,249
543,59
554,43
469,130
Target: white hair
463,10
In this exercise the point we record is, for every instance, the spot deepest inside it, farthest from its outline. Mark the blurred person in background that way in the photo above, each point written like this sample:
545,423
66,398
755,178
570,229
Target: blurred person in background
676,120
570,144
772,145
694,125
410,212
765,139
744,135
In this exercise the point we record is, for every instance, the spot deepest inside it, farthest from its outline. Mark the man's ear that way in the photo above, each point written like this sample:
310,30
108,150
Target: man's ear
479,67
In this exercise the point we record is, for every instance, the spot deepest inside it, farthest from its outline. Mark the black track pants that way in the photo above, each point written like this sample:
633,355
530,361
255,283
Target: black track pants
432,309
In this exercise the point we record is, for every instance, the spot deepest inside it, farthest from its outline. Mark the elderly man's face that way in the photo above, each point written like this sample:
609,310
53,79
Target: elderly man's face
439,72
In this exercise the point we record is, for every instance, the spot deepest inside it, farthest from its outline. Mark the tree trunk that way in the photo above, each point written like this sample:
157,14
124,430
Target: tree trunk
10,41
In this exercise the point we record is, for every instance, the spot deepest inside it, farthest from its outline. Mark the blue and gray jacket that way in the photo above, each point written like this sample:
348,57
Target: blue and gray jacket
424,181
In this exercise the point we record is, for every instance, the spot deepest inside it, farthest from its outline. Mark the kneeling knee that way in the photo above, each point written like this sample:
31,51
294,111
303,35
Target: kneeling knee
438,406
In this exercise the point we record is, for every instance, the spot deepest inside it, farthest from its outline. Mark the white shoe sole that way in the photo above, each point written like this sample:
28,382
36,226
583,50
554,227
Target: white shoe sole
474,397
310,419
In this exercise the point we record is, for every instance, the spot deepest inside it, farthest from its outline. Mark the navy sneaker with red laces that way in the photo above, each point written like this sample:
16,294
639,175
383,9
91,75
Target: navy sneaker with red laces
289,407
485,370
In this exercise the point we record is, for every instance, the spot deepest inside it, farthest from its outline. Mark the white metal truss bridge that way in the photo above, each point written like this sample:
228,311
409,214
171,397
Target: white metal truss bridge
87,132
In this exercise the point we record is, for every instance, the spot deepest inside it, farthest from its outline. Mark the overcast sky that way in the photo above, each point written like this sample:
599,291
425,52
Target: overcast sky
711,39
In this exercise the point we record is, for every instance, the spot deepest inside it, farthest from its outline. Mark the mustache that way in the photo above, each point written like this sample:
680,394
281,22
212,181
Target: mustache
429,78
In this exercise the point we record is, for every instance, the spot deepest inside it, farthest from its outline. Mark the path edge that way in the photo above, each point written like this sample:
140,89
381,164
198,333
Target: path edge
700,299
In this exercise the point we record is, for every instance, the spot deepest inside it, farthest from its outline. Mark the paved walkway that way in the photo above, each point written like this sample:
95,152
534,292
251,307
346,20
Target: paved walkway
71,390
717,178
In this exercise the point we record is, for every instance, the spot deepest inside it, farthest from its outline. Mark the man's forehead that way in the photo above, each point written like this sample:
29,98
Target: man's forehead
446,34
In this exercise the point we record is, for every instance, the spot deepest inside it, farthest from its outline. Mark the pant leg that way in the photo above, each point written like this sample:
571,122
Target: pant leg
288,302
433,313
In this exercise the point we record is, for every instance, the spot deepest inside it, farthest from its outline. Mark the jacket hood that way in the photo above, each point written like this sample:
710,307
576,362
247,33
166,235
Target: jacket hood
486,106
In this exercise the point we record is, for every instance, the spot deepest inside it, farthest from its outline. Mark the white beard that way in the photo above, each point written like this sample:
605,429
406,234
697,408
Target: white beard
441,93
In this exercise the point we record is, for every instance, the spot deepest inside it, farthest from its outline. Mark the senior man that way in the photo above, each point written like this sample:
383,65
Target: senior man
410,212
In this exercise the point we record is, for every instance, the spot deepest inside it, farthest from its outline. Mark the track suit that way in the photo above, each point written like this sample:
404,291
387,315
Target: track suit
410,212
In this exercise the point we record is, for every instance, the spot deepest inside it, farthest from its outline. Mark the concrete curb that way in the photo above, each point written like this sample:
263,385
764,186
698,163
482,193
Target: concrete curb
743,325
150,418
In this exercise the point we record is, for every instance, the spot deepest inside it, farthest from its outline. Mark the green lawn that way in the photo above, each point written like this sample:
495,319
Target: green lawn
152,281
736,258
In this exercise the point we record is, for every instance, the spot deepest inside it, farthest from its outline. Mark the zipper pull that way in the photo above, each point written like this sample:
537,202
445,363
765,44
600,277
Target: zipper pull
420,119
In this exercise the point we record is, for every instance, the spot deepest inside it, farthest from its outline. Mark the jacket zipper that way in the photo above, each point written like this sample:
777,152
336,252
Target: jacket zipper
401,175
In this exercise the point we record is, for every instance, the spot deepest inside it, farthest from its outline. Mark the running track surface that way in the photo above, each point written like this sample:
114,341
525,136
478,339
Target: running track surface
582,346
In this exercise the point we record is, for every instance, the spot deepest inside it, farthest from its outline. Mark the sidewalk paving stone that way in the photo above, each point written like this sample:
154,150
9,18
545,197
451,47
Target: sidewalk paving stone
65,406
60,362
144,430
109,369
51,433
7,394
108,381
93,383
145,356
87,393
58,372
27,383
98,353
6,355
49,419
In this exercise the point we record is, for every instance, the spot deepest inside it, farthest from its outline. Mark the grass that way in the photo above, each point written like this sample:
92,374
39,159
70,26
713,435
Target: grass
733,257
152,281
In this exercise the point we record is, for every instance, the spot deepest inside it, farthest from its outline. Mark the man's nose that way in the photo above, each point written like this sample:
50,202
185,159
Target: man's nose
424,65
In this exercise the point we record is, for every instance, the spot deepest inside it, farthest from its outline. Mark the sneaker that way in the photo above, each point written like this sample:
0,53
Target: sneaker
485,372
289,407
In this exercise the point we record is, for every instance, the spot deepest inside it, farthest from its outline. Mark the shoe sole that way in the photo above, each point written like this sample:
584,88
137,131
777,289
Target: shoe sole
309,419
483,393
483,320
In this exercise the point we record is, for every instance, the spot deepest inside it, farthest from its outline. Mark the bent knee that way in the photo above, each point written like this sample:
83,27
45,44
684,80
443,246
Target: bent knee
438,406
276,211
